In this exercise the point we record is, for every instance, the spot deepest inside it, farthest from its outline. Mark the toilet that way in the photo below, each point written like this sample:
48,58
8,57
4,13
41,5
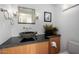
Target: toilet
72,47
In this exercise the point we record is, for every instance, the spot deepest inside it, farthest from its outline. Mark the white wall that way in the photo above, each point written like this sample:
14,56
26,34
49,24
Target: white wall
38,26
5,27
68,24
7,30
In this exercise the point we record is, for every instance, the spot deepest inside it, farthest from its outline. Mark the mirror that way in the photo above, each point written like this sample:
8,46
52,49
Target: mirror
26,15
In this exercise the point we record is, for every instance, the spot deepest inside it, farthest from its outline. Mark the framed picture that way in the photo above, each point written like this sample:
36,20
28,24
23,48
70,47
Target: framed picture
47,16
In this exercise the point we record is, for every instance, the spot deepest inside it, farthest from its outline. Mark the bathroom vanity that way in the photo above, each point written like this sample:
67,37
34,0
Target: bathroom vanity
34,48
15,46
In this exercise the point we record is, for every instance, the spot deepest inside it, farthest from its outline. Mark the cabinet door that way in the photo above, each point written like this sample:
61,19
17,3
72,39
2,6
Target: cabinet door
23,49
42,48
57,40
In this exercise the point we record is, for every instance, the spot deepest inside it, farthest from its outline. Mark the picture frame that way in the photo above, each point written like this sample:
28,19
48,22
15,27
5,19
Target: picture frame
47,16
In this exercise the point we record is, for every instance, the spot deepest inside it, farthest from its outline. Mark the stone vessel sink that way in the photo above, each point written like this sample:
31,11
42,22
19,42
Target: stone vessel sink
27,35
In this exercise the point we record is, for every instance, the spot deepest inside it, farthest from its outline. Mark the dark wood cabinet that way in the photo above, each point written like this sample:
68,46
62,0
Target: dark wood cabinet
53,50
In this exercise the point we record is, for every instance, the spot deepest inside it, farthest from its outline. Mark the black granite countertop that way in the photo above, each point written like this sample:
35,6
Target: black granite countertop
16,41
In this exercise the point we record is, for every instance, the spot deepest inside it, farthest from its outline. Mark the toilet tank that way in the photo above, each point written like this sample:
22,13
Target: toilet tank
73,47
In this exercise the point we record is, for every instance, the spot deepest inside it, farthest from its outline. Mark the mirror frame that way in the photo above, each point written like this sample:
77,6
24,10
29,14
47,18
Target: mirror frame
19,16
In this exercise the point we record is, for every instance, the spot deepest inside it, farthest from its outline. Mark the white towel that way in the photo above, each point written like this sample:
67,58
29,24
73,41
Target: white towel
53,44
